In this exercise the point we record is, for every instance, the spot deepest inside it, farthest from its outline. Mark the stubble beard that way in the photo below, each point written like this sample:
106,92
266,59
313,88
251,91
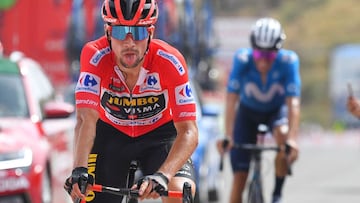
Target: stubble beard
133,65
129,66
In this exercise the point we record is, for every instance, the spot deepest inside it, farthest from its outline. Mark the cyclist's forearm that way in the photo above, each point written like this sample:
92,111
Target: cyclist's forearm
85,131
85,140
230,111
182,149
294,118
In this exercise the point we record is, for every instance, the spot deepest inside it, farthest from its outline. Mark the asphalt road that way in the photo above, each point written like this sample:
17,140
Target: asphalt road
326,171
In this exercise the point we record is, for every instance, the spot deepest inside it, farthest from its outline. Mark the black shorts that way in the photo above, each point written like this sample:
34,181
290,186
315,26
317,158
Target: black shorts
113,152
245,130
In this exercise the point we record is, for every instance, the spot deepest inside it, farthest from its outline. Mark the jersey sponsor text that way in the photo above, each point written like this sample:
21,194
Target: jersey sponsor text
175,61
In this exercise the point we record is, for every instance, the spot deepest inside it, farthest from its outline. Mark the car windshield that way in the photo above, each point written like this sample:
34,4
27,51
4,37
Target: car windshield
12,97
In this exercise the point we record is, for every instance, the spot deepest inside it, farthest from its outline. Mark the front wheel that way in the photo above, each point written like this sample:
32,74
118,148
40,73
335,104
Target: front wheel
255,193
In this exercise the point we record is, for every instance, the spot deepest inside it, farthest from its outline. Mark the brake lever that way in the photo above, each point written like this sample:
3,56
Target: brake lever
225,143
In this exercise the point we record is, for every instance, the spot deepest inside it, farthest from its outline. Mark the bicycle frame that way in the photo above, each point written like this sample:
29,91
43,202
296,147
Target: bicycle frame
255,184
255,193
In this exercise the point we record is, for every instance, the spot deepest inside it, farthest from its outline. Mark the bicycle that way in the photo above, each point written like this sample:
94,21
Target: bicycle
131,195
255,181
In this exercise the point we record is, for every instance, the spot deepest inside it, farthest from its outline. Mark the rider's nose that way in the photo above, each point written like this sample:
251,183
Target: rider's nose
129,37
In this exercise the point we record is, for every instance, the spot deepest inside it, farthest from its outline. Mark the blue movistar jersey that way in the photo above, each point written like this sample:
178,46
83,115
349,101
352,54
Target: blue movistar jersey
283,80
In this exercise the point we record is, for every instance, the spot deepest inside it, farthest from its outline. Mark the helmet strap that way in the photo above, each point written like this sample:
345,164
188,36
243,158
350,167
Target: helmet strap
148,45
108,37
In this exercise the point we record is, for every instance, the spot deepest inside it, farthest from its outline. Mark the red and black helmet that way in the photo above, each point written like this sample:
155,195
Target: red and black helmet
130,12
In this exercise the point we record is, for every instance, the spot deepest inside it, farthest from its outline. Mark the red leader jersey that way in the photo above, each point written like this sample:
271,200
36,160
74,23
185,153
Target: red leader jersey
162,92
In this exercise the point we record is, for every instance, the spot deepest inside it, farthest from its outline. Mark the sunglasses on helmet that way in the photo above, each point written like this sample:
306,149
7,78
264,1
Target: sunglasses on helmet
138,32
264,54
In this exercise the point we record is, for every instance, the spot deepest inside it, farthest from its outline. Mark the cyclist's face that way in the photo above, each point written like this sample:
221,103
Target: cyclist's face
264,59
129,51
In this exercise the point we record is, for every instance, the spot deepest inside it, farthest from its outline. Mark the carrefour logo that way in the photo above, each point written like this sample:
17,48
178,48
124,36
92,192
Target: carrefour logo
184,94
88,82
151,83
187,92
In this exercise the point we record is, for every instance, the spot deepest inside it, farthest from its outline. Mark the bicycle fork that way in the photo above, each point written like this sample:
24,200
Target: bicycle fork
255,193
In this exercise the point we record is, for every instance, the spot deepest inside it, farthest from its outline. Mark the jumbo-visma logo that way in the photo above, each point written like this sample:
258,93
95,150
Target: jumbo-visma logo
88,82
184,94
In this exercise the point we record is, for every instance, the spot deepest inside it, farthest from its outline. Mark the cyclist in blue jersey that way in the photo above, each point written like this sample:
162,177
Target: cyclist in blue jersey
264,86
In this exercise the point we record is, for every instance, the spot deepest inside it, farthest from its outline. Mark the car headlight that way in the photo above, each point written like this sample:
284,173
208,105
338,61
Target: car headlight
18,159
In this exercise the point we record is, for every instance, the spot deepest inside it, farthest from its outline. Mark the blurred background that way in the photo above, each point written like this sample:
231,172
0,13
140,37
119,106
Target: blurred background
325,34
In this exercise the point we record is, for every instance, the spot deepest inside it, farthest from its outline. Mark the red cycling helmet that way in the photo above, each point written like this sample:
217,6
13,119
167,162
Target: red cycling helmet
130,12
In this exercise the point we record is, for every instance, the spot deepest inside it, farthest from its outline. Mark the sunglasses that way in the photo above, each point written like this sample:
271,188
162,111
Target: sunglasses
261,54
138,32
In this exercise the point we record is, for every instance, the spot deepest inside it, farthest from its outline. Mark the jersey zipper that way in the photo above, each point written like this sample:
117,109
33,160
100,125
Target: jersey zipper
132,115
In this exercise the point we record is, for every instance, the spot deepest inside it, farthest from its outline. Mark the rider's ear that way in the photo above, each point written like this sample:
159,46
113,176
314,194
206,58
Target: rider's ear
151,31
107,29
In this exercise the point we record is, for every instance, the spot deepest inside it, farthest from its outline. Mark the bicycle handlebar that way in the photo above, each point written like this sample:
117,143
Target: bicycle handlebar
131,192
257,148
185,195
83,181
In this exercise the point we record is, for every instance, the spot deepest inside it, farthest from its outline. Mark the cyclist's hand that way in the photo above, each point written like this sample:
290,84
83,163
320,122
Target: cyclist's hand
78,183
353,106
224,145
152,186
294,150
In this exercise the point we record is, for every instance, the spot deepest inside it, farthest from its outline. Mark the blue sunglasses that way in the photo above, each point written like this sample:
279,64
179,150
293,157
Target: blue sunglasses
138,32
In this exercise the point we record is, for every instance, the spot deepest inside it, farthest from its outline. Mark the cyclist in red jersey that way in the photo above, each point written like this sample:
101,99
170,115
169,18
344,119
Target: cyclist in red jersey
133,102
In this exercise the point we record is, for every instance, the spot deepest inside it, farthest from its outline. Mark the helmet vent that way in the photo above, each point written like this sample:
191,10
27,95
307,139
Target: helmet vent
146,10
129,8
112,9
